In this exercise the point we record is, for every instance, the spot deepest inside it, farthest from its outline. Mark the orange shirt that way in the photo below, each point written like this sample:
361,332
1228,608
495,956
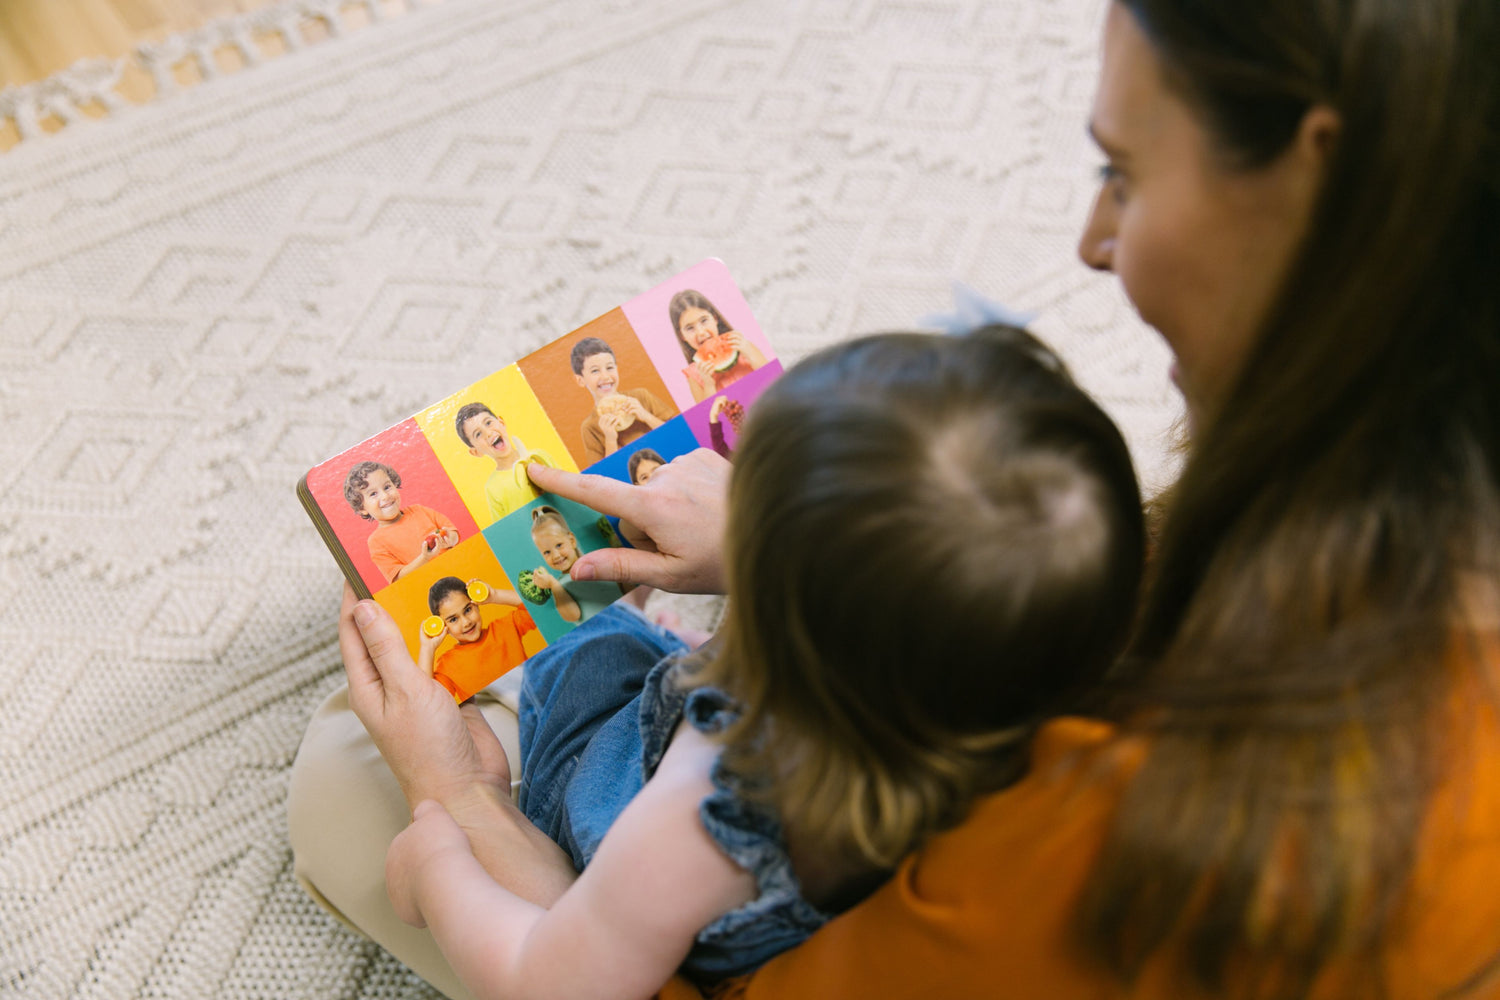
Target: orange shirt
466,667
985,909
393,544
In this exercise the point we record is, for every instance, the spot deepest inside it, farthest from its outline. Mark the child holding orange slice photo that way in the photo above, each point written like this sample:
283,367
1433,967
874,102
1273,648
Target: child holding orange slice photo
480,653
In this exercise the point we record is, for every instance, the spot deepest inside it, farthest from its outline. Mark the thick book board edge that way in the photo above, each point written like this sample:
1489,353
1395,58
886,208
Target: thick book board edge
331,540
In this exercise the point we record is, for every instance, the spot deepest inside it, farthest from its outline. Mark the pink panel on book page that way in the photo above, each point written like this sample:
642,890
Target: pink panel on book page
707,306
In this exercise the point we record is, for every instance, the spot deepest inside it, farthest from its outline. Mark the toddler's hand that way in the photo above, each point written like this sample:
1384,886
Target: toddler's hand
542,578
432,837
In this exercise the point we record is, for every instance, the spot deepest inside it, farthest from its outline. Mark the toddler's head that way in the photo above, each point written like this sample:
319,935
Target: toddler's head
934,543
373,489
643,465
449,600
554,539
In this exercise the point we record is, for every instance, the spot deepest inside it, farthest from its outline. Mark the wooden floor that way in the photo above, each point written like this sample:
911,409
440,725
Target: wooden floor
40,37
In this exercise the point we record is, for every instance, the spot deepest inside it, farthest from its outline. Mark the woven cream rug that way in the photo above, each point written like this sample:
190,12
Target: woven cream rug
201,298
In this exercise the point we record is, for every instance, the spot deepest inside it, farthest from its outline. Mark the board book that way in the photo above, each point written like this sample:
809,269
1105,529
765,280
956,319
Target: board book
436,519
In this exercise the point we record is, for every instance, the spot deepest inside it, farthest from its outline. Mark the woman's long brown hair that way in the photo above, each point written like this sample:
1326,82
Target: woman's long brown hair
1292,662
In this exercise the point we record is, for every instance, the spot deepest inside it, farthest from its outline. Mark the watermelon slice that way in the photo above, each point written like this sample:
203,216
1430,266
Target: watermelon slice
529,590
720,354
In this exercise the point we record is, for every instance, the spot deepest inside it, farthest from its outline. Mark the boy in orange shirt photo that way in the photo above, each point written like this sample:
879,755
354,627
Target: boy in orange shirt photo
404,537
481,653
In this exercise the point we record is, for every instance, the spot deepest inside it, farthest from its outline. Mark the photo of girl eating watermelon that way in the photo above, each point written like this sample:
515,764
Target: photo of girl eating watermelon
717,354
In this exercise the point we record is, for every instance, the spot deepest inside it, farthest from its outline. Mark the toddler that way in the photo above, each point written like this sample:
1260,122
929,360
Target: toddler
404,537
933,545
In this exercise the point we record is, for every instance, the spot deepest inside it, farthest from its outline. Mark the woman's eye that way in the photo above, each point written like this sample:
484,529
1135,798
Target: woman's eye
1111,179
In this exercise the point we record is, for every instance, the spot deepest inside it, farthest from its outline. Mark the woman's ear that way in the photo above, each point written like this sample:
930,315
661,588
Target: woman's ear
1318,135
1301,168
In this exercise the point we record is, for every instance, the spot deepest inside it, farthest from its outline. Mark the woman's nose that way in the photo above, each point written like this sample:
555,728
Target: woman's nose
1096,247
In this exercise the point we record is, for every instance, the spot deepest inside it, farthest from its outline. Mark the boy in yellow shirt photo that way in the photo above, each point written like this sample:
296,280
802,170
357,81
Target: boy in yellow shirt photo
486,436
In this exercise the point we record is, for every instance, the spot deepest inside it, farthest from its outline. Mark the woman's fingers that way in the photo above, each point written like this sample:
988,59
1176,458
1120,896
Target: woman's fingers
366,692
626,566
375,644
607,496
681,511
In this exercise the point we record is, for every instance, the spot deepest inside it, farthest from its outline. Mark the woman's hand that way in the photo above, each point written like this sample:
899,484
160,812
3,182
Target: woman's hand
676,523
435,749
440,751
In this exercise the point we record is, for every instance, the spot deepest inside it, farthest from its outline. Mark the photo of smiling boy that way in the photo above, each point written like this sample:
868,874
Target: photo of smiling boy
485,434
405,537
576,600
619,415
480,653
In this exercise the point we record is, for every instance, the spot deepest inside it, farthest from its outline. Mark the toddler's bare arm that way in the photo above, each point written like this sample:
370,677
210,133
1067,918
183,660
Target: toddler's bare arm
620,931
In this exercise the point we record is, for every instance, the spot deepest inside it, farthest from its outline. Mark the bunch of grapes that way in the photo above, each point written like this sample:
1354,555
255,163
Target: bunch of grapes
733,412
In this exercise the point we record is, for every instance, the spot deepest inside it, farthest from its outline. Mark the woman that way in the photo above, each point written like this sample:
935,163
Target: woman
1293,787
697,324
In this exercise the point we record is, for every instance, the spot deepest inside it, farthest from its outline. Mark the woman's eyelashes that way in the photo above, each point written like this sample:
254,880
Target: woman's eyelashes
1112,180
